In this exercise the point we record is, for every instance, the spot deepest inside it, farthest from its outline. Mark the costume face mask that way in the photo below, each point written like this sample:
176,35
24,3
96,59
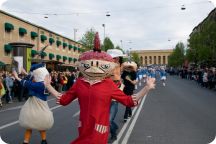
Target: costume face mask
96,64
39,72
96,69
129,66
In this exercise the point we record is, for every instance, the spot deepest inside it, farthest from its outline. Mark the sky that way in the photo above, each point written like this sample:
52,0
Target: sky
132,24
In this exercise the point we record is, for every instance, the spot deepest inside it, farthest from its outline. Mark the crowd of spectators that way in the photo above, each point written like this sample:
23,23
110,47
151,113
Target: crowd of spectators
61,81
205,77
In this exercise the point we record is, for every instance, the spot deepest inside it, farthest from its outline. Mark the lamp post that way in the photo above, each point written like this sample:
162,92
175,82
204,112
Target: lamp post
103,25
130,54
75,30
130,49
121,44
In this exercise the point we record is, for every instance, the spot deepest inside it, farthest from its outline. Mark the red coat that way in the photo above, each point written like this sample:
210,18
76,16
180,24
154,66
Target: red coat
94,101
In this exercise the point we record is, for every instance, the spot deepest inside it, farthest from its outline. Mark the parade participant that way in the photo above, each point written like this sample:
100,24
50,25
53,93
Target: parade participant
129,79
95,91
35,113
117,56
163,76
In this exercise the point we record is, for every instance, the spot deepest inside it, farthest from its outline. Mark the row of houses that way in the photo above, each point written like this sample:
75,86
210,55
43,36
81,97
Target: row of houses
59,51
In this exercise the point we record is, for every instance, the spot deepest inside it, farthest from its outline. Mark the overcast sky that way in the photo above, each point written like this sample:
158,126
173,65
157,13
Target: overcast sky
139,24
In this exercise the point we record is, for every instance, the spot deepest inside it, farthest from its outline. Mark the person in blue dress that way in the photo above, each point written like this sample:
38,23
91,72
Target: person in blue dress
35,114
163,76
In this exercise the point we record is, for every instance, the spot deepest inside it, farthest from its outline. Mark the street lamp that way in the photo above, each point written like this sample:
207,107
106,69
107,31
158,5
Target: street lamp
121,44
75,30
108,14
130,50
103,25
183,7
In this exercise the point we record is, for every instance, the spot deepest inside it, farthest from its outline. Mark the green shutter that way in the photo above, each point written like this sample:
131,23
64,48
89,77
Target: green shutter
8,48
43,54
75,59
22,31
8,27
75,48
58,57
70,47
64,58
43,38
51,56
33,52
65,45
70,59
33,35
51,41
58,43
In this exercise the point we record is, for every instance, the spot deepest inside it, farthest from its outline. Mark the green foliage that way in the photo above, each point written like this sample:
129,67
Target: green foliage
118,47
176,59
202,43
136,58
88,39
107,44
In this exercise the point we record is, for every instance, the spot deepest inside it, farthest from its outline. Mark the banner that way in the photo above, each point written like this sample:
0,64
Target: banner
18,63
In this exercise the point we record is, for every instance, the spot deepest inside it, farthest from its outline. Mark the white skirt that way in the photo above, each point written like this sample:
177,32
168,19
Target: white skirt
163,78
35,114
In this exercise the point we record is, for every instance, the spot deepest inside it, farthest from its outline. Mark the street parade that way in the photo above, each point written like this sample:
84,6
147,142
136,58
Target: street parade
107,72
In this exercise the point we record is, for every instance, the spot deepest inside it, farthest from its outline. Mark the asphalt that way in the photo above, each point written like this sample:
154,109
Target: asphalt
182,112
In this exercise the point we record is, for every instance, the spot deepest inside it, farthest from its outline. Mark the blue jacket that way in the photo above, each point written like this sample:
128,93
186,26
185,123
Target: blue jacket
35,89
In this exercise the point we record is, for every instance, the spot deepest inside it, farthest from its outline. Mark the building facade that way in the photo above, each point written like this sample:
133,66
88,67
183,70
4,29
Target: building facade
153,57
59,49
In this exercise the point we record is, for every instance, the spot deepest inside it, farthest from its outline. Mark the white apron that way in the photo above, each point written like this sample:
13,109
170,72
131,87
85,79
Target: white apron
35,114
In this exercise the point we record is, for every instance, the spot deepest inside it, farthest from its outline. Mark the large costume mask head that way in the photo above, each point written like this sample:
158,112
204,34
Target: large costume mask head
39,72
96,64
129,66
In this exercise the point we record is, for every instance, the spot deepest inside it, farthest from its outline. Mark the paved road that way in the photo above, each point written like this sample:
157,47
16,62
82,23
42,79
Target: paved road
180,113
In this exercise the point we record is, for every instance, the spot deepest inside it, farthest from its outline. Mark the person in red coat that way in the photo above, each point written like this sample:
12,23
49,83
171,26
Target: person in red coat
95,91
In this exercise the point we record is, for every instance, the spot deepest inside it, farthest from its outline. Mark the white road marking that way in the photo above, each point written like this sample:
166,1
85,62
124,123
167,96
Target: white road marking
128,121
16,122
55,107
9,124
127,135
76,114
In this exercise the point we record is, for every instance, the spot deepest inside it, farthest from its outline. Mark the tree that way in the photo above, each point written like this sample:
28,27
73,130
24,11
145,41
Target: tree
176,59
202,43
118,47
107,44
136,58
88,39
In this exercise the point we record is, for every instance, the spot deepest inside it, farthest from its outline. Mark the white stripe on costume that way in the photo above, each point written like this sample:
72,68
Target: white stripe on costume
101,128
